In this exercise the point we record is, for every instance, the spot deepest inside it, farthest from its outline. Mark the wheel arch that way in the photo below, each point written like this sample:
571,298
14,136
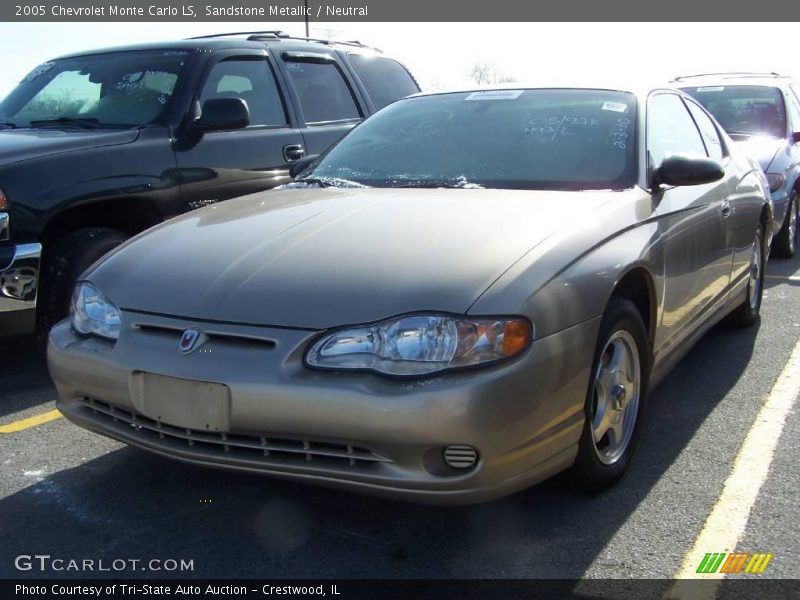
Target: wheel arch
130,215
637,285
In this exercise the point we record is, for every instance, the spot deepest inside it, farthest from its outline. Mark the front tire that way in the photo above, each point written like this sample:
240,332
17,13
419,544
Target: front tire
615,399
68,257
786,240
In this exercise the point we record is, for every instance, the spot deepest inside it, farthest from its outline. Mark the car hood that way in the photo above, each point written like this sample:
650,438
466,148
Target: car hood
762,148
315,258
17,145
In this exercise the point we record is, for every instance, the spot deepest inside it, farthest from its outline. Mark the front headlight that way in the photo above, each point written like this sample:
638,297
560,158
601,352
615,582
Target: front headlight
94,314
421,344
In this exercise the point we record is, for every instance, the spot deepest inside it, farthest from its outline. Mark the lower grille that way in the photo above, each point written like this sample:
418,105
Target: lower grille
266,449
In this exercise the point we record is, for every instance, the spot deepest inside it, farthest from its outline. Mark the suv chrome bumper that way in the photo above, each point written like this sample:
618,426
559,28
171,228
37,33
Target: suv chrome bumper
19,279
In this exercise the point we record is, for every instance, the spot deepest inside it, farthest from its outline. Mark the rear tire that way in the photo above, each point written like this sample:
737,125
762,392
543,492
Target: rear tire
786,240
615,400
747,312
66,259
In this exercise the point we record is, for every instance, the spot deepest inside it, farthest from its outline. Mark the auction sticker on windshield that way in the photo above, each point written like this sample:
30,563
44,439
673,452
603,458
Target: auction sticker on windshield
495,95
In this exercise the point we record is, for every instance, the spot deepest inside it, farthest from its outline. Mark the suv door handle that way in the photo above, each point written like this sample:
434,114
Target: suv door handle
293,152
727,209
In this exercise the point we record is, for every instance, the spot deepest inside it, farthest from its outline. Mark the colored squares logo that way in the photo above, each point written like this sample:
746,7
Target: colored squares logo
734,562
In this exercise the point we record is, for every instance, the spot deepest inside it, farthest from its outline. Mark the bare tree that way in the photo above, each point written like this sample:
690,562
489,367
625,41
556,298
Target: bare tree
487,73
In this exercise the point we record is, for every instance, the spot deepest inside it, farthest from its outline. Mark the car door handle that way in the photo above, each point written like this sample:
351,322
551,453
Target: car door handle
727,209
293,152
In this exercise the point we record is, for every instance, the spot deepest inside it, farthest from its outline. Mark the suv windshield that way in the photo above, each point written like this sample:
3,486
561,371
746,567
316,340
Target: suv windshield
513,139
124,89
744,109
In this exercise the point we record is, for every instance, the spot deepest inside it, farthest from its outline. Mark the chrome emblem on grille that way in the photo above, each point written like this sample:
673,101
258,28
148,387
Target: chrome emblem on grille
188,341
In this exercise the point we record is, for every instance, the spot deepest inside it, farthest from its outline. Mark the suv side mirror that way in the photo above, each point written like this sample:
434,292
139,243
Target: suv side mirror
680,169
219,114
301,165
796,137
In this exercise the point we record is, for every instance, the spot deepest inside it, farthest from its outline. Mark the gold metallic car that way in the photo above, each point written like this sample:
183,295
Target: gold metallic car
469,293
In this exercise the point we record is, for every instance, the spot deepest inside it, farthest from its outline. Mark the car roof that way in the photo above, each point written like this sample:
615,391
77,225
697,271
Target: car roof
739,78
242,40
639,90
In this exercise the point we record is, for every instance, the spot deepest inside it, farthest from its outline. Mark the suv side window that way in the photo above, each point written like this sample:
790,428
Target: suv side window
794,110
670,129
253,81
796,90
386,80
707,130
323,91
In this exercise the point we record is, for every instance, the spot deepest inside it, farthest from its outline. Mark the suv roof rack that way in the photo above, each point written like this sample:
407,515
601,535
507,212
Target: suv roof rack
272,34
732,73
260,36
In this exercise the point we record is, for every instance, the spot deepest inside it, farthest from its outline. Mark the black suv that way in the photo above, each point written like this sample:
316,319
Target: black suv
99,146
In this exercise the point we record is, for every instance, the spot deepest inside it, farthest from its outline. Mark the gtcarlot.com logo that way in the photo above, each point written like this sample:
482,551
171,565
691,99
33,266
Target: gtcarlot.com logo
45,562
734,562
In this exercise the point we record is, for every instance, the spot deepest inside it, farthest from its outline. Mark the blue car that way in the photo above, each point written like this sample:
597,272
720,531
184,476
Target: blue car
761,111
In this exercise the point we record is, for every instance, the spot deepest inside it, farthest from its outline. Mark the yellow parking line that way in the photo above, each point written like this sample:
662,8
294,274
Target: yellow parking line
23,424
728,518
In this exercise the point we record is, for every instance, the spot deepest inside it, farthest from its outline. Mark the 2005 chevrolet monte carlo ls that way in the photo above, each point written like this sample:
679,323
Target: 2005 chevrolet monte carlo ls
471,292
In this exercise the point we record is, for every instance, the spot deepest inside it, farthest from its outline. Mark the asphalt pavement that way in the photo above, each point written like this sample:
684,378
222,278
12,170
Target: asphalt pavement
67,493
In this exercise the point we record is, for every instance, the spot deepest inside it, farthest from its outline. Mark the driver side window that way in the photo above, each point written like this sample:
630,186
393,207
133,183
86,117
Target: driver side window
670,129
254,82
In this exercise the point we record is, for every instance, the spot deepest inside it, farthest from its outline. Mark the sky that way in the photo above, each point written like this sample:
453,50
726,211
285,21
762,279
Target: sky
442,54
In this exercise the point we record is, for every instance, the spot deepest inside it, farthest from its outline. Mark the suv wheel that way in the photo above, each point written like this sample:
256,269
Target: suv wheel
67,258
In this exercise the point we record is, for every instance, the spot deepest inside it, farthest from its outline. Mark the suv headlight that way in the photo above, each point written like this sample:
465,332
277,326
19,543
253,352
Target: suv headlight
775,181
94,314
421,344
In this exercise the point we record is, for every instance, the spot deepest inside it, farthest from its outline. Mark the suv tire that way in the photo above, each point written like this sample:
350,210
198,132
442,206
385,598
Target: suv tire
66,259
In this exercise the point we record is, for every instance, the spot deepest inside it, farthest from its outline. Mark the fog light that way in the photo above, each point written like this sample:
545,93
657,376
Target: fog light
460,457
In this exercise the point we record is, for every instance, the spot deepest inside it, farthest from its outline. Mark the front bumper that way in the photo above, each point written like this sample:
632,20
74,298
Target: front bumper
19,282
355,431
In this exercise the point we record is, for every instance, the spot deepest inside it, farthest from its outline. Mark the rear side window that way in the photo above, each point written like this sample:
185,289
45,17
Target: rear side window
670,129
323,92
386,80
253,82
707,130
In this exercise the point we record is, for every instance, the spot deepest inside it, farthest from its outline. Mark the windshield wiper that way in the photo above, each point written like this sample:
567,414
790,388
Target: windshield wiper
314,181
329,182
7,125
73,121
460,183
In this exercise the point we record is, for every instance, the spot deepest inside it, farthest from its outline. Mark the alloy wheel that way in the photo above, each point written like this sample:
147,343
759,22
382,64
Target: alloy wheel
617,387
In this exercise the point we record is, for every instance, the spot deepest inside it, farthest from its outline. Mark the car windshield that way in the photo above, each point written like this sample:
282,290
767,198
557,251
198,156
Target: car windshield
744,109
118,89
513,139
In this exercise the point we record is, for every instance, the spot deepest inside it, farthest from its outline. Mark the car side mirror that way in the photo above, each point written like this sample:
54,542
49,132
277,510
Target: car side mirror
219,114
301,165
796,137
680,169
